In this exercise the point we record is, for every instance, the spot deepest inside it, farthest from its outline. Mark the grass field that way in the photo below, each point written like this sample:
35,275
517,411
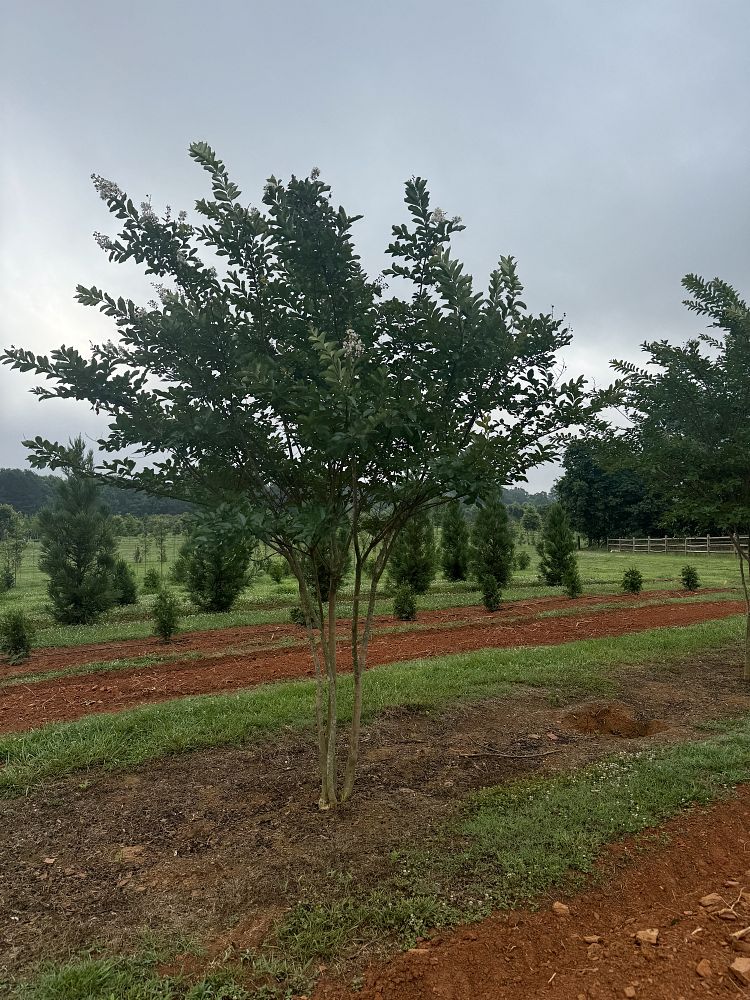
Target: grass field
266,602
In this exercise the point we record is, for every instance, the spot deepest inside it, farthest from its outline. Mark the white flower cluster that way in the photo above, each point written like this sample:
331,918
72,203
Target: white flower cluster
152,304
315,173
163,292
147,212
353,346
182,216
107,190
103,242
437,217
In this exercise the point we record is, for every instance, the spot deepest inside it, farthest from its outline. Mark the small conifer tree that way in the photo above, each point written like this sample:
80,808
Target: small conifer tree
492,551
412,559
556,547
572,580
78,546
689,577
215,561
632,581
166,614
124,583
404,603
16,635
454,543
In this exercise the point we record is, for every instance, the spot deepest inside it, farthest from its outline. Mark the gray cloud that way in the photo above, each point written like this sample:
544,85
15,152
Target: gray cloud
605,145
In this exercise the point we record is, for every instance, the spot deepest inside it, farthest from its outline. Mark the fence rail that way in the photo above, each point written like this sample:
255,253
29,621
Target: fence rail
695,545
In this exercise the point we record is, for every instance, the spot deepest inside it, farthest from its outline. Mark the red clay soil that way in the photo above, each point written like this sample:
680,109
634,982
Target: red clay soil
593,952
24,707
211,640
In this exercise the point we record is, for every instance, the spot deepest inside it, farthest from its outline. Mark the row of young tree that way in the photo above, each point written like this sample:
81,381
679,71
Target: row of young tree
484,550
79,552
274,381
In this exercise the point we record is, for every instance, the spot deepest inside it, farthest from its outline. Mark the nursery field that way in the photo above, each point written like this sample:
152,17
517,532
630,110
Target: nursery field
159,836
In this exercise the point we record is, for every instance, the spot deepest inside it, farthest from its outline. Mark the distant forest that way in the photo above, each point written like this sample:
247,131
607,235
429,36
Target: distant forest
27,492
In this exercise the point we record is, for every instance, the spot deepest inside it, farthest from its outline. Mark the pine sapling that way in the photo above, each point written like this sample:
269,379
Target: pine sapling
490,593
404,603
16,636
166,614
689,577
632,581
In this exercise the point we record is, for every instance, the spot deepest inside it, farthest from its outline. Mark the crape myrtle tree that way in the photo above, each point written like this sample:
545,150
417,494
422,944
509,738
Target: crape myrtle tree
286,386
690,419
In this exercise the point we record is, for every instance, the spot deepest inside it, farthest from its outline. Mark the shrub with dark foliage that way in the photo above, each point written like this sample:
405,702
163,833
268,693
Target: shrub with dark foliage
412,559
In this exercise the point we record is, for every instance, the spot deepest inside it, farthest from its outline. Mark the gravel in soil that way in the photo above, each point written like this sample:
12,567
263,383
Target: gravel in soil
667,924
24,707
216,844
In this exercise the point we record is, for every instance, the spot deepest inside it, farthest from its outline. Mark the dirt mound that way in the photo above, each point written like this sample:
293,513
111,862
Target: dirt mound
610,718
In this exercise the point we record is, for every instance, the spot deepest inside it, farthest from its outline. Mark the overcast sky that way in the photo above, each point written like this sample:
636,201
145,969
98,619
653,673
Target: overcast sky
605,144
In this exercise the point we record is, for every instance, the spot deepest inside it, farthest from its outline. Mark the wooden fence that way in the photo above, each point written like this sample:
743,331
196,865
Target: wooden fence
697,545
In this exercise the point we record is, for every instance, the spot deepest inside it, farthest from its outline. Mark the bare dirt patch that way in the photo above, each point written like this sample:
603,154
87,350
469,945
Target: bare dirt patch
611,718
217,844
24,707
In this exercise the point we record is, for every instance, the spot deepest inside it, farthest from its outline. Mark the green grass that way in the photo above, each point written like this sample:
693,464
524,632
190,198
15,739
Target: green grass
268,603
127,739
128,979
516,843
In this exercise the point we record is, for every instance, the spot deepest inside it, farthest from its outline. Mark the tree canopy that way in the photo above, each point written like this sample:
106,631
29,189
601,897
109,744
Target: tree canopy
605,495
271,374
690,416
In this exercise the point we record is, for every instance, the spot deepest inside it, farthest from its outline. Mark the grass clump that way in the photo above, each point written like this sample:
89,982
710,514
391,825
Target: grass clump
314,931
90,978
